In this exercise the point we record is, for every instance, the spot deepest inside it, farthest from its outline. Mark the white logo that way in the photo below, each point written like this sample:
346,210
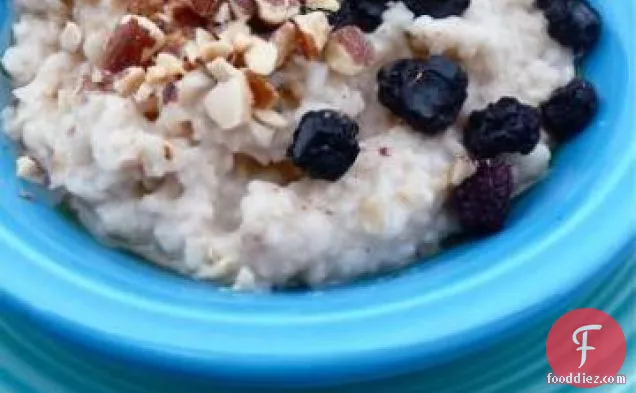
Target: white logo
583,344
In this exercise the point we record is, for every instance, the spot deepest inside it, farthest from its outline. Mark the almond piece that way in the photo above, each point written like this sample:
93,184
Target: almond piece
144,7
29,169
206,8
156,74
172,64
215,49
275,12
348,51
182,13
130,81
202,36
221,70
132,43
312,33
261,57
191,52
285,40
324,5
229,103
271,119
265,94
243,9
235,32
71,37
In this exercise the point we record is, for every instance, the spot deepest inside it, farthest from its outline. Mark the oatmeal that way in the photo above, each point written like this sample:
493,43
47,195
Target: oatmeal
263,143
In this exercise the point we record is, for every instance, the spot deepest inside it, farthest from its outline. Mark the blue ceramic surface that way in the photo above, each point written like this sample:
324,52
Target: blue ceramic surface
564,237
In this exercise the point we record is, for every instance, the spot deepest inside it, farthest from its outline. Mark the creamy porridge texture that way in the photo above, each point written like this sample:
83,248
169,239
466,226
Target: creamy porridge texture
169,124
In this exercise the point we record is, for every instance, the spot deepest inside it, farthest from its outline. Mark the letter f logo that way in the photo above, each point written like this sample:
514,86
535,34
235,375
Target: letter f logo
583,344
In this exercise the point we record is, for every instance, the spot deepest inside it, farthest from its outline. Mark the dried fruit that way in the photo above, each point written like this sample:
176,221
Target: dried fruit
427,94
482,201
366,14
572,23
570,109
506,126
437,8
325,144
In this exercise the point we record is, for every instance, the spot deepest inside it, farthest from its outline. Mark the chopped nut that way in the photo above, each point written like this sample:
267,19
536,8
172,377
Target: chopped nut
224,14
261,57
182,13
271,119
156,74
285,40
243,42
149,107
28,169
132,43
202,36
348,51
213,50
175,42
191,52
221,70
229,103
71,37
206,8
263,135
326,5
265,94
313,32
243,9
132,78
276,12
172,64
144,92
144,7
462,169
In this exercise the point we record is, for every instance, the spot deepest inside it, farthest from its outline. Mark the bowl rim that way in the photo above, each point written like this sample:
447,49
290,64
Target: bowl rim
380,353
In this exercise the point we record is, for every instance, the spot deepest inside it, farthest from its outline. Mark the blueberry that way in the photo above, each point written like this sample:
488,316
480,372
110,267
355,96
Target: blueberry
482,201
325,144
427,94
570,109
572,23
506,126
366,14
437,8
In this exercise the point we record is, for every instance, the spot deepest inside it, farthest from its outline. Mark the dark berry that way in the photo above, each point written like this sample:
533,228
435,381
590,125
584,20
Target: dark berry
506,126
366,14
427,94
570,109
437,8
325,144
482,201
572,23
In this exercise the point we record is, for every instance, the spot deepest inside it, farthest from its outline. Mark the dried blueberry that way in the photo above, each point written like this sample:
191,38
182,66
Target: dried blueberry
427,94
482,201
572,23
570,109
325,144
437,8
366,14
506,126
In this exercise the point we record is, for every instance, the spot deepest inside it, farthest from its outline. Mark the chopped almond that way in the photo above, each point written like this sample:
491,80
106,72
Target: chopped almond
132,43
128,84
229,103
215,49
265,94
285,40
71,37
275,12
349,52
271,119
261,57
206,8
325,5
243,9
221,70
313,32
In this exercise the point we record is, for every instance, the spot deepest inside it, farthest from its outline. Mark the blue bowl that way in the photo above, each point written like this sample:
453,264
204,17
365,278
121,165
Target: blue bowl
565,235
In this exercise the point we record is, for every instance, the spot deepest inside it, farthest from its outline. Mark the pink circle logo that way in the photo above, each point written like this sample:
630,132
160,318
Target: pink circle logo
586,348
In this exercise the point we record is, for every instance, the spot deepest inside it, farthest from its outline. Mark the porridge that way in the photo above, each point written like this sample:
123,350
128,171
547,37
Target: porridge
266,143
